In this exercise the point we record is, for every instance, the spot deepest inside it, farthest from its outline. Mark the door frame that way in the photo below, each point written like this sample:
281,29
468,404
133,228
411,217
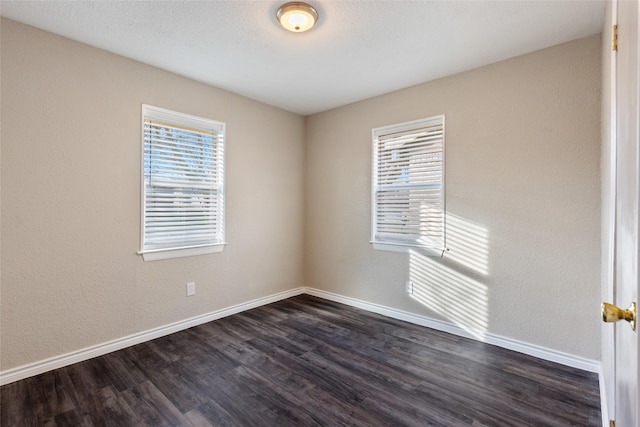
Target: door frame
620,241
608,161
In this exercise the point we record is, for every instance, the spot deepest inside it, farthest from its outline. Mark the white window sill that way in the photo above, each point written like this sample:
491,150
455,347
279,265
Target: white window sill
407,249
180,253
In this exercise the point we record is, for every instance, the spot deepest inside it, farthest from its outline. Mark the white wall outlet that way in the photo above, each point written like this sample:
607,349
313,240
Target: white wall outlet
409,285
191,289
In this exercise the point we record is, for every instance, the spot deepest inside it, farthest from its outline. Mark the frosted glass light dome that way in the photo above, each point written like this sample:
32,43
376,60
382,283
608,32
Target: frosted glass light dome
297,16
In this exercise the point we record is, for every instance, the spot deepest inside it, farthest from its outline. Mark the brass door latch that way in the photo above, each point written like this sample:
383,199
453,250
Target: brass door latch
611,313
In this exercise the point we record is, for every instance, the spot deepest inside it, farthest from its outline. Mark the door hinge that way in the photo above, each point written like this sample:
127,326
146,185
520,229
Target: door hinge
612,423
614,38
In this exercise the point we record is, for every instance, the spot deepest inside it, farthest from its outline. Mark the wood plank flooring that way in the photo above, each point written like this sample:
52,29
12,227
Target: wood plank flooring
305,361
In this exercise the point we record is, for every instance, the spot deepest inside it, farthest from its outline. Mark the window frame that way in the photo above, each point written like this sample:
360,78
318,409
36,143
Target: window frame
149,112
428,246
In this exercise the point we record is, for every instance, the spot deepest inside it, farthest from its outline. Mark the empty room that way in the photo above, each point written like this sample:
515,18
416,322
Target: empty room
363,213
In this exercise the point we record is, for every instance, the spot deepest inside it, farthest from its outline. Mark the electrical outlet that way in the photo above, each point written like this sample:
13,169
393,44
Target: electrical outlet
191,289
409,285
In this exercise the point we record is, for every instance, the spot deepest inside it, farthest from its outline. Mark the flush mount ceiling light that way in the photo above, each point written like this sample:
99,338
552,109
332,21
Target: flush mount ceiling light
297,16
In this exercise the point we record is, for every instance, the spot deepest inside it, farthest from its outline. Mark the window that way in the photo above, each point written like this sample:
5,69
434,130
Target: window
182,185
408,186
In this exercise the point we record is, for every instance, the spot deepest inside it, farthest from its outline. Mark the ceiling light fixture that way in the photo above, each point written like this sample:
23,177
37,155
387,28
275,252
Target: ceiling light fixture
297,16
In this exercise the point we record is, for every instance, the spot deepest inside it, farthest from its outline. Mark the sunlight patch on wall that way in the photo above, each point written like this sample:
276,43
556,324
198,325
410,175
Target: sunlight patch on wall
468,244
460,299
454,286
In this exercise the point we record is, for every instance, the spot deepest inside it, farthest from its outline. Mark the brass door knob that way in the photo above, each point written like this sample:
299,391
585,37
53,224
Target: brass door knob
611,313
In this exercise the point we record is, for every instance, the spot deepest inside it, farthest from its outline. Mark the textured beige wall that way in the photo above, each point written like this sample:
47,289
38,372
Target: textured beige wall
71,199
522,197
523,201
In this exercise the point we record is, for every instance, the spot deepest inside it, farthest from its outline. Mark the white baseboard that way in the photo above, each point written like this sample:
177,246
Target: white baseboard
56,362
508,343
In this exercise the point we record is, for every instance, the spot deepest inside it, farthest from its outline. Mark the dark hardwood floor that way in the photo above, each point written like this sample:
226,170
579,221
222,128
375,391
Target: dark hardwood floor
305,362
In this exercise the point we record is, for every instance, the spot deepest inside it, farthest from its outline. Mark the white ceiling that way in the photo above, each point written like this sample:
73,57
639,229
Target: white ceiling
359,49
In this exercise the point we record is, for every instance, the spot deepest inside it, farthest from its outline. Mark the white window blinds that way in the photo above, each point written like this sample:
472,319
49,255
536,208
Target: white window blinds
183,177
408,184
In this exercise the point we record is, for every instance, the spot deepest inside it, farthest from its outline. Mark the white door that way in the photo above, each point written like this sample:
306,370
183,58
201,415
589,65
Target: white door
626,228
